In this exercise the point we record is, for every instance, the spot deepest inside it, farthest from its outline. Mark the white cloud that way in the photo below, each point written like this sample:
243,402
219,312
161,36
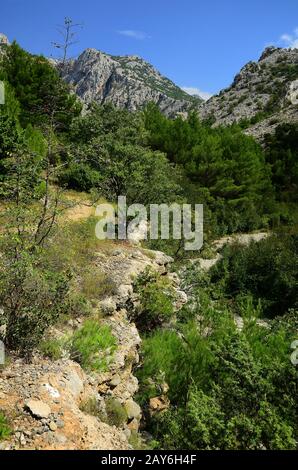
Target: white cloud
205,95
290,40
131,33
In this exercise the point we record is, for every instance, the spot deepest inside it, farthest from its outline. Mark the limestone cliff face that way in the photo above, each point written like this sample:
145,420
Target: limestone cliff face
128,82
264,93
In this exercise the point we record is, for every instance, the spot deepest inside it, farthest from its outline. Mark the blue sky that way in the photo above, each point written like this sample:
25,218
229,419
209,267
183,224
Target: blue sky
199,44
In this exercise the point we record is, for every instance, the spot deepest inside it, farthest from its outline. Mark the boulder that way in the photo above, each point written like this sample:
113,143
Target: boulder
74,383
108,306
158,404
133,410
115,380
38,408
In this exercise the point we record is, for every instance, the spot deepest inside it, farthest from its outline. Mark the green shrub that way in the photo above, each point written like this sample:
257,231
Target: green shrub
92,345
156,301
136,441
51,348
5,430
267,270
116,413
33,298
242,407
80,177
92,407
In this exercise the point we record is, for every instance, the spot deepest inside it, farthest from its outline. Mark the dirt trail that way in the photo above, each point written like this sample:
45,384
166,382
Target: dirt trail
80,211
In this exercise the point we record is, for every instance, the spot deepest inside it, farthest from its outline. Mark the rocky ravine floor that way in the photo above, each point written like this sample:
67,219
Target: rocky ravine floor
43,398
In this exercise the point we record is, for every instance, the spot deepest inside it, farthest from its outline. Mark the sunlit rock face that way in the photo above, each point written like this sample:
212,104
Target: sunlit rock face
126,81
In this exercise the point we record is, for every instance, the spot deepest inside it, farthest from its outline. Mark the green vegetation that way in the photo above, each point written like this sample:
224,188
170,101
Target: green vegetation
93,345
266,270
282,155
156,301
113,412
92,407
33,298
51,348
40,92
229,387
116,413
5,430
223,168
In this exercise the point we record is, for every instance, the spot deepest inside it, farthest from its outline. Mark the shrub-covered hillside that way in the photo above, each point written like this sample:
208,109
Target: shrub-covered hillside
220,362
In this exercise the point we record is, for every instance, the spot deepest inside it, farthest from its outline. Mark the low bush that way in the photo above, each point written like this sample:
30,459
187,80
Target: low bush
80,177
5,430
156,301
92,345
33,298
95,284
51,348
116,413
267,270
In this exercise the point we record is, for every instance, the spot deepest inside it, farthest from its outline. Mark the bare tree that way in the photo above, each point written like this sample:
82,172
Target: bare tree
68,32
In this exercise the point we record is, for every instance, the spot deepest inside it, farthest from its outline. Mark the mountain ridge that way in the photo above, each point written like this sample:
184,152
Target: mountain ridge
126,81
262,95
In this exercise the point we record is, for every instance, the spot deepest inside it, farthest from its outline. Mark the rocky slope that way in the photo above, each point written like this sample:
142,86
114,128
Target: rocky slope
128,82
263,94
45,400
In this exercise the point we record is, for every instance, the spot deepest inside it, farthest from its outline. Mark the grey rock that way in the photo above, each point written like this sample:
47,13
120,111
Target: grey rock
116,380
108,306
74,383
38,408
133,410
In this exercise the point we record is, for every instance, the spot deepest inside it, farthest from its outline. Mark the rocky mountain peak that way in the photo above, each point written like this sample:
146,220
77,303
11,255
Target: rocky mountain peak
269,51
262,95
126,81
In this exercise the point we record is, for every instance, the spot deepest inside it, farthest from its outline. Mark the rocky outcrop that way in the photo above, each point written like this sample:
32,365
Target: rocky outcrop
263,93
126,81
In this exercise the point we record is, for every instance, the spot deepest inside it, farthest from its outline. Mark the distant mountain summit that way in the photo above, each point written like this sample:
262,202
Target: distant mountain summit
262,95
126,81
